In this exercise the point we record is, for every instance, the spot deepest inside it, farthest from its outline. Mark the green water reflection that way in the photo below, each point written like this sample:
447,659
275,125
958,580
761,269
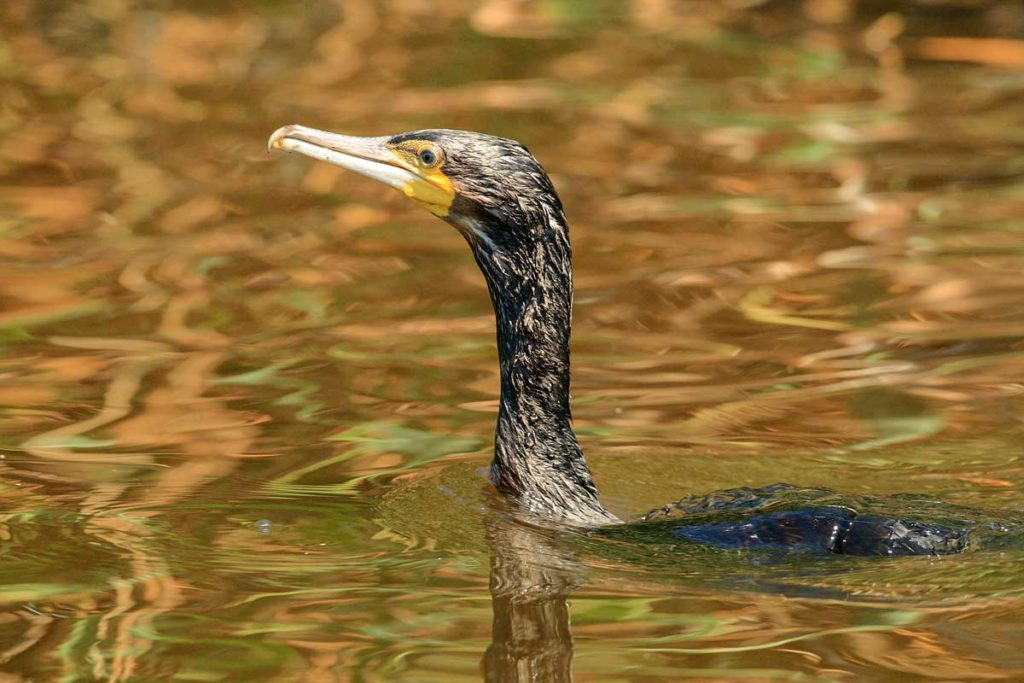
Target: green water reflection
245,402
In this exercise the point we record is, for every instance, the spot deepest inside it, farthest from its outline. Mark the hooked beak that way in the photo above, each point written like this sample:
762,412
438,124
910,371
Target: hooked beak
371,157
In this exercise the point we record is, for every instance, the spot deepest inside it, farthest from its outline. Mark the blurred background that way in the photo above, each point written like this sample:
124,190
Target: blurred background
245,400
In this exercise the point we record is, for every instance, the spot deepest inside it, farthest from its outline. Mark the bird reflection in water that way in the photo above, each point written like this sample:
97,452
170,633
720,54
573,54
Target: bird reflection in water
532,575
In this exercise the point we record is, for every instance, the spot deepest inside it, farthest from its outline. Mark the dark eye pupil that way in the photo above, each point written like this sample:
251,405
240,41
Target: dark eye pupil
428,157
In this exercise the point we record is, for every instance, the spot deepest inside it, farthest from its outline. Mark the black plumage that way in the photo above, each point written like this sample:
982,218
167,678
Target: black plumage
520,240
496,194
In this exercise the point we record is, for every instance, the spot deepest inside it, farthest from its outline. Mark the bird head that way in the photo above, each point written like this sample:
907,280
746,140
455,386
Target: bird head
490,188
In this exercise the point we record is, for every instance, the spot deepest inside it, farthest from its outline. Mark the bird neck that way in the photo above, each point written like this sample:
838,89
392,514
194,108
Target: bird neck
538,462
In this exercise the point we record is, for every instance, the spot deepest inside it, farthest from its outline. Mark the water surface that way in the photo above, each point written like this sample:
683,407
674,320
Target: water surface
246,401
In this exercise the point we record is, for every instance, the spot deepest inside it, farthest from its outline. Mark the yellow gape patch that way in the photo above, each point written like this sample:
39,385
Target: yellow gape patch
431,188
434,191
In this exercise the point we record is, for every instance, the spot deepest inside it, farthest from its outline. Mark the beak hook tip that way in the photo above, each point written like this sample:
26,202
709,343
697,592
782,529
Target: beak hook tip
278,136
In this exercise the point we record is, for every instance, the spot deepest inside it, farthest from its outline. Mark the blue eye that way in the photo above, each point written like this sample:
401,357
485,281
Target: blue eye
427,156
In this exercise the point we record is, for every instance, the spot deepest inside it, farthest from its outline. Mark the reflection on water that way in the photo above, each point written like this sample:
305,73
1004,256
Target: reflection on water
531,579
798,257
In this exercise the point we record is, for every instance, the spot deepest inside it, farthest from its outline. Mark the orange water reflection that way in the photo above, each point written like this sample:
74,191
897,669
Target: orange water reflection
797,236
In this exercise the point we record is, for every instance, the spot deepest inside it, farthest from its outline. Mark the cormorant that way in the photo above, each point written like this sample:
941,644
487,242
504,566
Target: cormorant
497,195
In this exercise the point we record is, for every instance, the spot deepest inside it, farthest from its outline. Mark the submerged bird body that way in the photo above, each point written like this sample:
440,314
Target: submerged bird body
496,194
